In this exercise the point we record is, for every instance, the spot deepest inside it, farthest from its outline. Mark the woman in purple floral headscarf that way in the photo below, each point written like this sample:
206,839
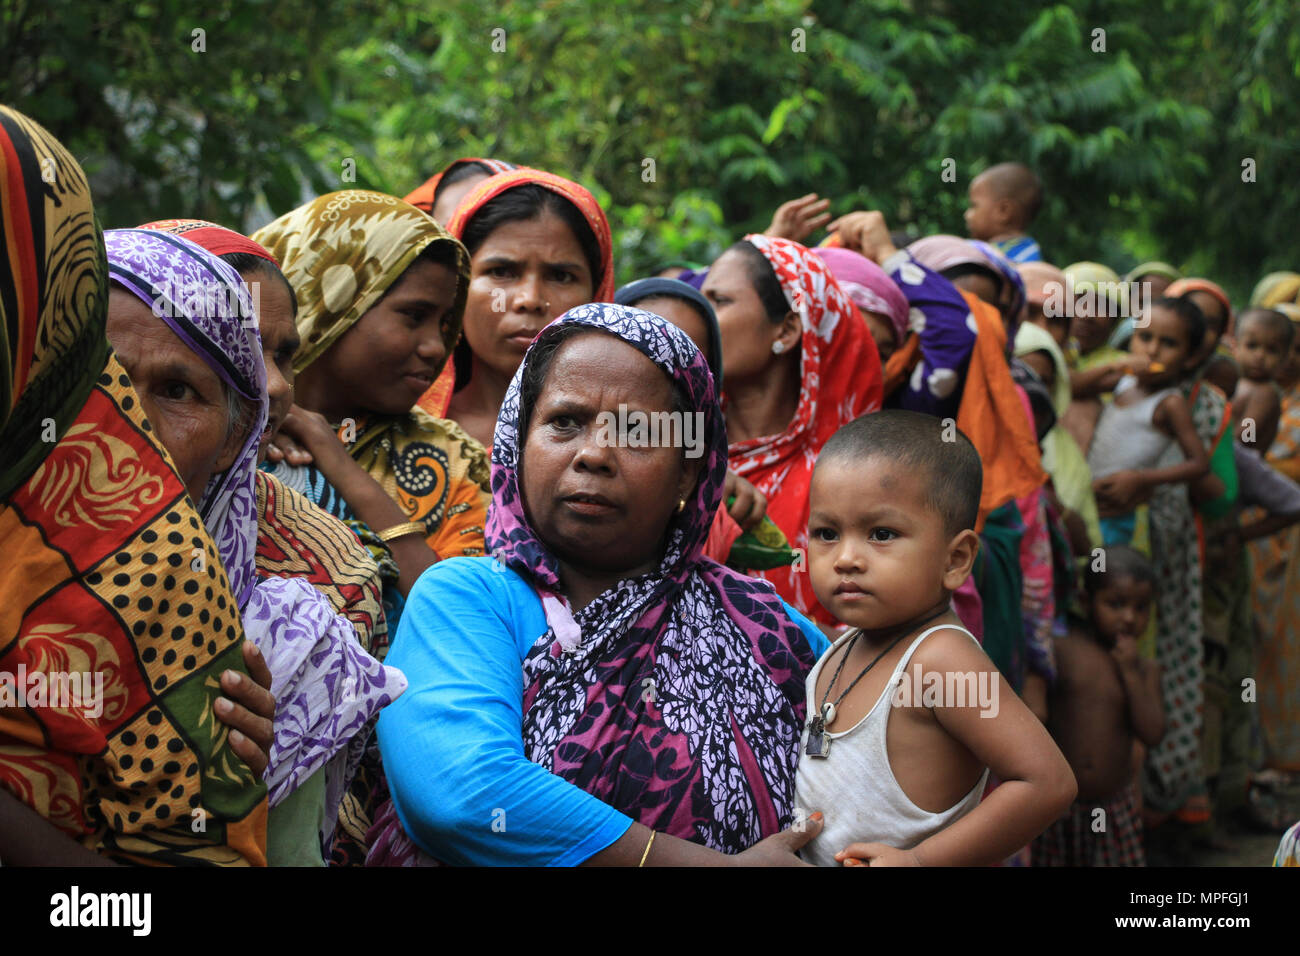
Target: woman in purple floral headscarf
171,300
597,682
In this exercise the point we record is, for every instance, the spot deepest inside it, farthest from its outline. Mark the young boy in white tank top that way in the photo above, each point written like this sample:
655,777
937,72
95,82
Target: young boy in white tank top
906,714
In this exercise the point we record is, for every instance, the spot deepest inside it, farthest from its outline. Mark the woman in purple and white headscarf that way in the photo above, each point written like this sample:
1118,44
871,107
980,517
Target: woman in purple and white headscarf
597,691
978,268
183,324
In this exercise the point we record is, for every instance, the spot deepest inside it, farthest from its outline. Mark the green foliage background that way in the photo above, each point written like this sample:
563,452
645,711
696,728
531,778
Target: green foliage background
1141,146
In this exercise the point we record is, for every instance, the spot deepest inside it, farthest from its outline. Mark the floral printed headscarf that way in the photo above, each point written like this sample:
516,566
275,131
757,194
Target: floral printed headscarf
342,251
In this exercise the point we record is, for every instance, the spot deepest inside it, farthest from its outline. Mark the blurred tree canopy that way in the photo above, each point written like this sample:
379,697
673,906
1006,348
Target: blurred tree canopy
1161,128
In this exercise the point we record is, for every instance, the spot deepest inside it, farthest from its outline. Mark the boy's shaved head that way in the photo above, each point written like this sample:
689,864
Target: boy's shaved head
1017,182
939,457
1270,319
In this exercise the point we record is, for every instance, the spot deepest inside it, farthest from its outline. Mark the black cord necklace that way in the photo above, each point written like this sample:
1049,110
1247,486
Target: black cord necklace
819,744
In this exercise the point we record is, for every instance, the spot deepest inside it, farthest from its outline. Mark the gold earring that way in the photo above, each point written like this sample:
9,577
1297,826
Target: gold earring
681,505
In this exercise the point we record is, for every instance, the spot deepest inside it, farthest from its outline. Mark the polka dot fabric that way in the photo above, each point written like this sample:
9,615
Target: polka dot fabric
106,537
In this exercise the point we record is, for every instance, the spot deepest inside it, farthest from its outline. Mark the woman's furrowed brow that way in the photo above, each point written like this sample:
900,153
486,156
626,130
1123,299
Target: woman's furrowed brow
563,405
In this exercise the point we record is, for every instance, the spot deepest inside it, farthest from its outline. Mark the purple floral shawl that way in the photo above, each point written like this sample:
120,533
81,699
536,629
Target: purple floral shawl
680,698
326,686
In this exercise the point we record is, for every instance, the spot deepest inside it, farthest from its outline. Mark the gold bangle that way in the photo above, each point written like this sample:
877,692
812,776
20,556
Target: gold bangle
401,530
649,843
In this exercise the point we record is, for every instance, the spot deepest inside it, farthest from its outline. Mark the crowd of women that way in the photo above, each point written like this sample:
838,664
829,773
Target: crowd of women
322,507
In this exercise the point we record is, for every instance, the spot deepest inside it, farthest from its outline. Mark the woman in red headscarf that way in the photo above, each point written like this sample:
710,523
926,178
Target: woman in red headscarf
800,363
539,245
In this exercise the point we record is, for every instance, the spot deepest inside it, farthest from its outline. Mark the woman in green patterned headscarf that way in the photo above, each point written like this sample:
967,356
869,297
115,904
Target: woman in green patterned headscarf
381,292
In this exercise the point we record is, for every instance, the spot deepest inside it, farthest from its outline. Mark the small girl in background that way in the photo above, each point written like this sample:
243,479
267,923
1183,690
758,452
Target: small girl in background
1105,698
1148,414
1263,343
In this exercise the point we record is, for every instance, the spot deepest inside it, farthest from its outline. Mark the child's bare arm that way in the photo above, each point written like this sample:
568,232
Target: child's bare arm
1141,680
1037,783
1174,415
1091,382
1260,414
1124,489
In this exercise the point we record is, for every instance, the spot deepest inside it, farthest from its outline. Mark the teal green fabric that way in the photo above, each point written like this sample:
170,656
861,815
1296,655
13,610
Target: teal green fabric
293,826
1000,583
1223,464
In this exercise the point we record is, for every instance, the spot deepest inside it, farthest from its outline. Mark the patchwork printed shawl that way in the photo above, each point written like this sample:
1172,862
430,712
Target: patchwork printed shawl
709,753
99,537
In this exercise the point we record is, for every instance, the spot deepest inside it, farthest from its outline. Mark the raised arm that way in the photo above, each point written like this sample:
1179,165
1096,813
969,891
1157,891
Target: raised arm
1174,415
1091,382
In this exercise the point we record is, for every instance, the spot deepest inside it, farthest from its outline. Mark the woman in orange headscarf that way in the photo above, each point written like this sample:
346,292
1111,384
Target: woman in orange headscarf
539,245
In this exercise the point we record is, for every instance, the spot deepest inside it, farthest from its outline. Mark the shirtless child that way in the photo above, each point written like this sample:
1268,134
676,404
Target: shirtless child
907,715
1105,697
1263,344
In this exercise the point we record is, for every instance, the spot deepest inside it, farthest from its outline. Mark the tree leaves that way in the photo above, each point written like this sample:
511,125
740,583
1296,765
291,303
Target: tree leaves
1139,146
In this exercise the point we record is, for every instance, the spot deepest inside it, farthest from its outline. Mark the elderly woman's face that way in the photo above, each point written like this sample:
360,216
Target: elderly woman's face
183,398
599,507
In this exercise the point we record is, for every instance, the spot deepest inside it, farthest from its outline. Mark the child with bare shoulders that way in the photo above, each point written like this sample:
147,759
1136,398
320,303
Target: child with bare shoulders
1105,698
896,757
1263,344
